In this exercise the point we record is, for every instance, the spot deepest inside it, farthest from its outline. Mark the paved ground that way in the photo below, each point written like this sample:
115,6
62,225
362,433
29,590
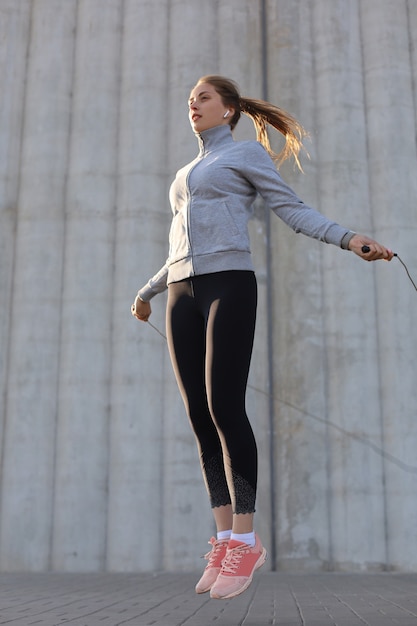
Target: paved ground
169,600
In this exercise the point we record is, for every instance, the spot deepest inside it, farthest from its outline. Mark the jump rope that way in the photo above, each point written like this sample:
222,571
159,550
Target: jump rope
406,467
366,249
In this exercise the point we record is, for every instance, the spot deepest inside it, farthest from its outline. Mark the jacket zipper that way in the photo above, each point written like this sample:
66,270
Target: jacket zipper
189,212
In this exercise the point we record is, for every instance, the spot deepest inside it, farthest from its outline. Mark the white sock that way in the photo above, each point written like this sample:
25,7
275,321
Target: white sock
248,538
223,534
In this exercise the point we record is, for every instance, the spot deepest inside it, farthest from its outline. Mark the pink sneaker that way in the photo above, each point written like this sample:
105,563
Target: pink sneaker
215,558
239,565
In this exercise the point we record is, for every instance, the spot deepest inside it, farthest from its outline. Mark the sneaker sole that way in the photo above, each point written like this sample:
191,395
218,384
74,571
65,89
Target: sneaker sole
258,565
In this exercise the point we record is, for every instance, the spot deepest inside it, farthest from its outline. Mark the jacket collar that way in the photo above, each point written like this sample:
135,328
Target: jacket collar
212,138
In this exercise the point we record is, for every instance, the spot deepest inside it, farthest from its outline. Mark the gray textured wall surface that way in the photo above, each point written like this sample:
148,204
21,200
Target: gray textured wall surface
99,468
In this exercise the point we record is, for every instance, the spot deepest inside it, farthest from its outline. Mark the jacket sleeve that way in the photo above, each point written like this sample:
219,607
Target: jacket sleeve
261,172
156,284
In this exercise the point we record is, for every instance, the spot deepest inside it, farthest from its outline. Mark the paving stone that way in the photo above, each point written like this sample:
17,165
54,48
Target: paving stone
322,599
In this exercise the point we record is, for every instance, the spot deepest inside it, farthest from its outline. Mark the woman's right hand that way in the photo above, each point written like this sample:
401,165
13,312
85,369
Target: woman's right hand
374,250
141,310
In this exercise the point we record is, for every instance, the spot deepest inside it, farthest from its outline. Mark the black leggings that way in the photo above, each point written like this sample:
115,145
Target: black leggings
210,328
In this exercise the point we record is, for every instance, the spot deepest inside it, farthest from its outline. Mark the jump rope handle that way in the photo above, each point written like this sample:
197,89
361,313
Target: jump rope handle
366,249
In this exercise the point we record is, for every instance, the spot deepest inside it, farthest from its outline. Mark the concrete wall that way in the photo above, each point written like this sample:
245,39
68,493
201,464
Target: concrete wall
99,467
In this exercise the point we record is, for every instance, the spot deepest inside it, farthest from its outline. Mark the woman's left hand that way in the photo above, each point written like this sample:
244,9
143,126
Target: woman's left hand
376,250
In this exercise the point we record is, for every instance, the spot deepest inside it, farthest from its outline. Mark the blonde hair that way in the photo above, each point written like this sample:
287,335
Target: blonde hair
262,113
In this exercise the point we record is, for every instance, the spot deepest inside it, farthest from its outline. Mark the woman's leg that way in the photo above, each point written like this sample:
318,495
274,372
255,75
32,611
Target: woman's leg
229,300
186,330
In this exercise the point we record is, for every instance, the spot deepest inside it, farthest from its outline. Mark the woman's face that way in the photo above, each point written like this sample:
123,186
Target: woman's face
206,108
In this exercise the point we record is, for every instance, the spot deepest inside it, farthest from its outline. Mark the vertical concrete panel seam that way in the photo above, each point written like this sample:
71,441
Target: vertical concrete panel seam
375,298
121,17
413,69
263,10
60,331
13,267
325,364
164,412
217,14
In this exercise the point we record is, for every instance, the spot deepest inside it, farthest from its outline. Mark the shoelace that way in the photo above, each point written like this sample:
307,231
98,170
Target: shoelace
213,554
233,558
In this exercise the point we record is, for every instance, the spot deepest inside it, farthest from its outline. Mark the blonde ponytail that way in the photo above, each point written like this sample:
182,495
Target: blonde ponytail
263,113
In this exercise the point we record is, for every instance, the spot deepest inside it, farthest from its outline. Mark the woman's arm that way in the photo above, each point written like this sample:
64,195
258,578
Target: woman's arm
141,308
263,175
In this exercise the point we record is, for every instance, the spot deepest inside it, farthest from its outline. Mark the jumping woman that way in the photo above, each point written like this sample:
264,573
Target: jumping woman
212,299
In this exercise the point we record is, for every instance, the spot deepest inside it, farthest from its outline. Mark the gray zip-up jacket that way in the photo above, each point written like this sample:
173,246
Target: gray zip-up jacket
212,201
